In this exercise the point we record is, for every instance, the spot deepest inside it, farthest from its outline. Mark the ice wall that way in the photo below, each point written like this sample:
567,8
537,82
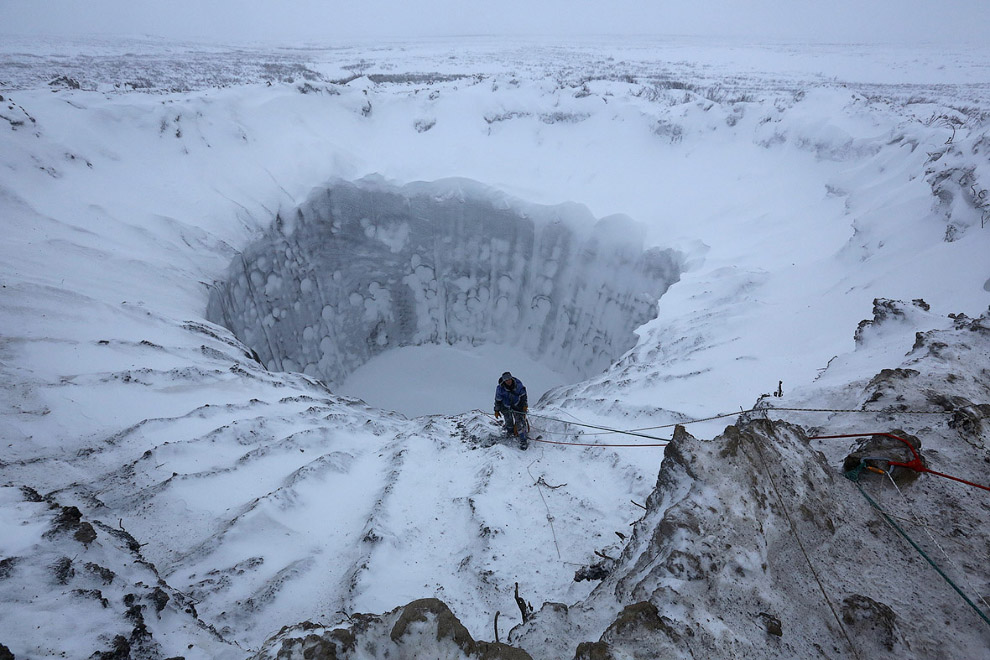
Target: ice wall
363,267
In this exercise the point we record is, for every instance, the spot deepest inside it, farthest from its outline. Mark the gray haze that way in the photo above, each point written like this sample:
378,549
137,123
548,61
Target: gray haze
913,21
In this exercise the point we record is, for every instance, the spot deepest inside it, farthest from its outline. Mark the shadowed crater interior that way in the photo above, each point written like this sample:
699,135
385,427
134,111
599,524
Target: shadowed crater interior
365,267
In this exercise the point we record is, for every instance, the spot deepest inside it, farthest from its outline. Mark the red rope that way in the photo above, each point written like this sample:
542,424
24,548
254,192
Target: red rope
947,476
914,464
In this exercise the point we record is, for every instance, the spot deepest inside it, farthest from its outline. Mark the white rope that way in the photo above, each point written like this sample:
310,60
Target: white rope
949,559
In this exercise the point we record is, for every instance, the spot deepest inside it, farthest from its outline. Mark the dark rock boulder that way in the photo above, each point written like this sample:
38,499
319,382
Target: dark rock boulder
876,451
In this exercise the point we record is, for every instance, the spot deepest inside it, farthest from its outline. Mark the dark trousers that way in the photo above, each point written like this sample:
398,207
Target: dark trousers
515,422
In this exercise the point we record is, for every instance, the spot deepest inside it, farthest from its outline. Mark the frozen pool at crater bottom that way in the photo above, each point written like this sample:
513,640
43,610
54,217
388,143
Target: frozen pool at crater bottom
443,379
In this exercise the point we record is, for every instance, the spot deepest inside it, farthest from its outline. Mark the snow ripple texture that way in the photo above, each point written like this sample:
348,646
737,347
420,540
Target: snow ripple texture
361,268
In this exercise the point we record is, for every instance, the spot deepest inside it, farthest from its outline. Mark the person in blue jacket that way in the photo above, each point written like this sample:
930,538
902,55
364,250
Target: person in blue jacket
512,405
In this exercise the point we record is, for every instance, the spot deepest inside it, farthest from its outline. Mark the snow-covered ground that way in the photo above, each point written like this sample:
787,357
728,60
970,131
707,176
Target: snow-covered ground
796,183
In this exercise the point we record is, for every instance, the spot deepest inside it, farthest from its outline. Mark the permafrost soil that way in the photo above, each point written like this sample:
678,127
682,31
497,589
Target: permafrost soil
362,269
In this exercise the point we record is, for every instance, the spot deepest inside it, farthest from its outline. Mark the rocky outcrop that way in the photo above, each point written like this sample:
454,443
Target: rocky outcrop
755,546
886,310
423,628
740,533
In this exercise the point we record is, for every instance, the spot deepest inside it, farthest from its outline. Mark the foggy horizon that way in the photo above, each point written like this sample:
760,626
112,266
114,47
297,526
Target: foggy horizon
883,21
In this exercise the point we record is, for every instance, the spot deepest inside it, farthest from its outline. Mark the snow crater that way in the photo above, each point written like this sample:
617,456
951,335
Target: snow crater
363,269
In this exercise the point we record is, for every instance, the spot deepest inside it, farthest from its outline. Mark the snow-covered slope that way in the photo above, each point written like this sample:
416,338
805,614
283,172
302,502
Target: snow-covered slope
754,545
254,499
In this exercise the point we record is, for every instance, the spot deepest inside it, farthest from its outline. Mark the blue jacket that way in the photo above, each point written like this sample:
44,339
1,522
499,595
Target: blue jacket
514,399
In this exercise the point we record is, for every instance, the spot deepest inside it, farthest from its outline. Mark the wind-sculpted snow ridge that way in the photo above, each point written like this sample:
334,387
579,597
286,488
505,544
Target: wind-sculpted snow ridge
363,268
102,597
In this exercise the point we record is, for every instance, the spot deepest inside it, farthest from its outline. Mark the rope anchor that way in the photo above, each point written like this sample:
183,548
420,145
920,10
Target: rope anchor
915,463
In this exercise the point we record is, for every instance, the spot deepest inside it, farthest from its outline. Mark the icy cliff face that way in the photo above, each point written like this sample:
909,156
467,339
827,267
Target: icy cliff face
361,268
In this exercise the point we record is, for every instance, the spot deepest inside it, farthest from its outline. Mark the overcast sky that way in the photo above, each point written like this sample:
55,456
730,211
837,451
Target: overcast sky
913,21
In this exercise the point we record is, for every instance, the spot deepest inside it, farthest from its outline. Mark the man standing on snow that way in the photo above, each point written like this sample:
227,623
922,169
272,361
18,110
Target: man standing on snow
511,403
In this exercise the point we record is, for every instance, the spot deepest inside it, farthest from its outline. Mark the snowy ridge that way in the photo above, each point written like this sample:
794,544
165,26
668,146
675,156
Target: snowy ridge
263,499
